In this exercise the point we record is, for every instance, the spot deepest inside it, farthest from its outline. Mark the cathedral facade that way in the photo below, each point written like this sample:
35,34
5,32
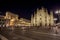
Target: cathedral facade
42,18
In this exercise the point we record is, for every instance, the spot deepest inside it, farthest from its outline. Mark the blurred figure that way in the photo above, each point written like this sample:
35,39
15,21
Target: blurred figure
55,29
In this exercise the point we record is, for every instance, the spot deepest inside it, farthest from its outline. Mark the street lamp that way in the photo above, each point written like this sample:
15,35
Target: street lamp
58,13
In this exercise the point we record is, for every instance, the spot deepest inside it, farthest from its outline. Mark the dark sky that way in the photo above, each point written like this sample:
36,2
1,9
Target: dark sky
26,8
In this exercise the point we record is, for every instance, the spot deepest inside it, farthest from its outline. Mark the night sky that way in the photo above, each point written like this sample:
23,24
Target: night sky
25,8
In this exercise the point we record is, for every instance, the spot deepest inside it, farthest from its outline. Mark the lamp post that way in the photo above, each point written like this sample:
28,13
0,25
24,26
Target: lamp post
58,13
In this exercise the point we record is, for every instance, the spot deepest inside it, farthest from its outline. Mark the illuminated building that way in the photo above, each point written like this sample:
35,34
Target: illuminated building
12,20
12,17
2,20
23,22
42,18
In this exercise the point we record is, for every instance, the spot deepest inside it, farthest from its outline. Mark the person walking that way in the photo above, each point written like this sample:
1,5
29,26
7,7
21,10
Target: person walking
56,30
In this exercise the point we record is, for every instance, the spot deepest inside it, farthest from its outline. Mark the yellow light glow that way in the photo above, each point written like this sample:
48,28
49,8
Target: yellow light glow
12,19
